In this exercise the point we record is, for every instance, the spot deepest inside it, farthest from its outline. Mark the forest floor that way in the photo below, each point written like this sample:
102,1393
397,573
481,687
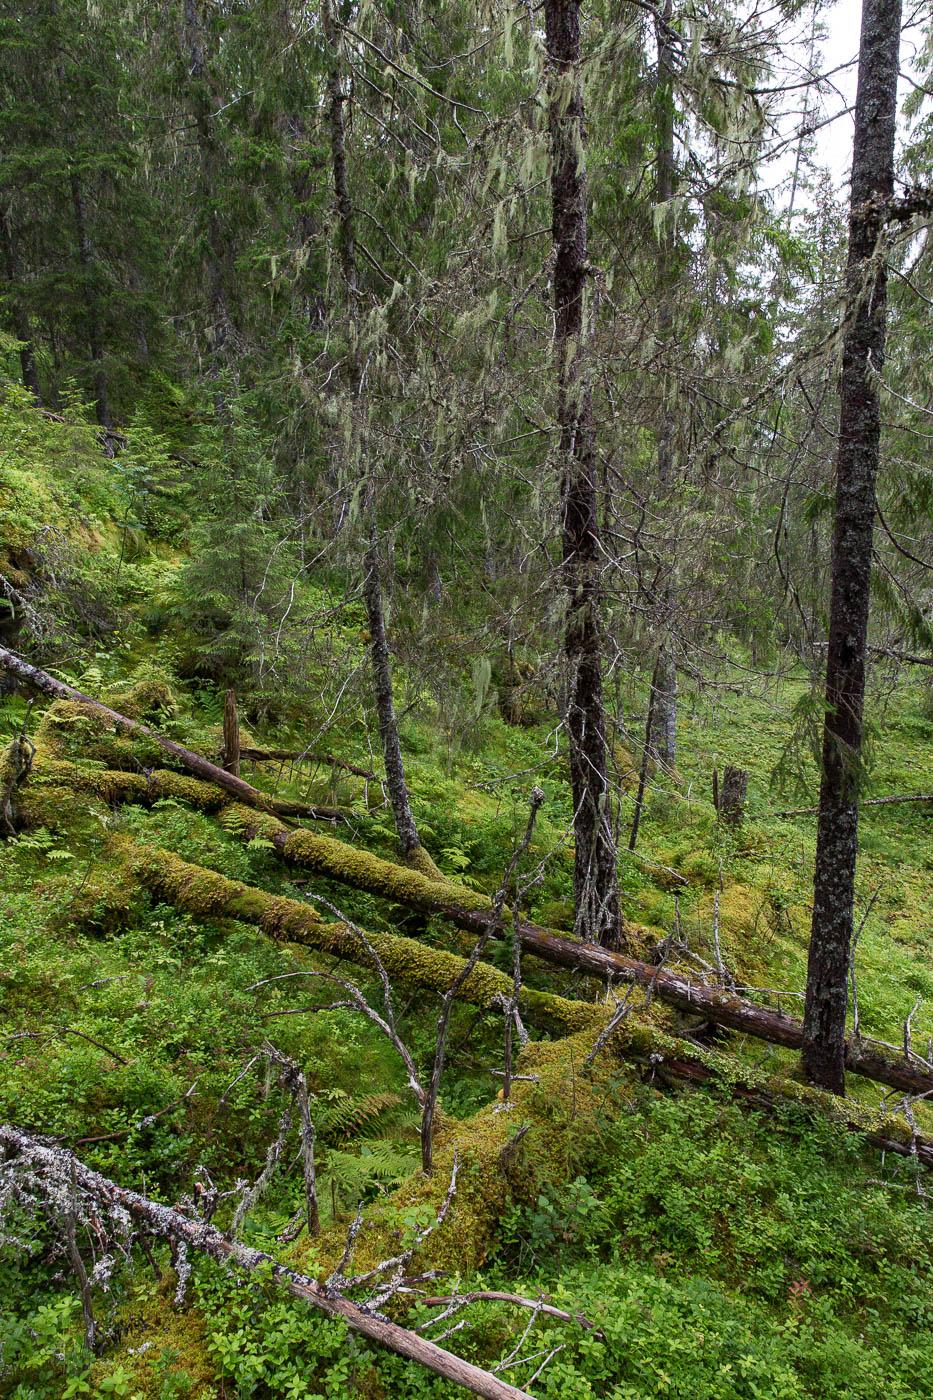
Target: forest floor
719,1251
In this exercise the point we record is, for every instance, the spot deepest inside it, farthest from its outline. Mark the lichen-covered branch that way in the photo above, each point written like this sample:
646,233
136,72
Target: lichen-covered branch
49,1173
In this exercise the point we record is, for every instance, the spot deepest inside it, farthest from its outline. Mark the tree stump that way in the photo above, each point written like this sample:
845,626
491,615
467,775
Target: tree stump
231,761
729,798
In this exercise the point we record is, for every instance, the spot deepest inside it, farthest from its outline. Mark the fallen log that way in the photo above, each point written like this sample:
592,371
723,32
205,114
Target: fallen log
413,964
469,910
887,1136
407,962
64,1173
117,785
208,772
324,760
897,799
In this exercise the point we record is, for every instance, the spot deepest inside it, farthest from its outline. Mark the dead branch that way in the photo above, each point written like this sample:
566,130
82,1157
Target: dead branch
454,1302
15,767
454,902
896,800
492,927
42,1174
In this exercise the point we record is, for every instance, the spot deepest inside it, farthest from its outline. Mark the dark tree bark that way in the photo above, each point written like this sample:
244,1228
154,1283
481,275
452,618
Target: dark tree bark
856,470
663,736
18,313
730,798
336,99
232,751
215,258
406,829
88,261
665,185
596,895
408,839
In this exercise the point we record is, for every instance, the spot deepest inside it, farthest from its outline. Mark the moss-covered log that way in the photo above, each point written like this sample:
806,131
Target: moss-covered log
469,910
41,681
408,963
552,1131
413,964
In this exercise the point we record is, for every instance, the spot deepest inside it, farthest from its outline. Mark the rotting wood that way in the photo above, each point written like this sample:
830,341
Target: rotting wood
231,757
413,964
470,910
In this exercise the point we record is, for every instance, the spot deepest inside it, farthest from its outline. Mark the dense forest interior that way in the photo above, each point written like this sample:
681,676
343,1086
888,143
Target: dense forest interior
466,699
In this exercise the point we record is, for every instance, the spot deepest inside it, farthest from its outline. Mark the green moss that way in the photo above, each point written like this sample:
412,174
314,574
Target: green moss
158,1338
407,962
503,1156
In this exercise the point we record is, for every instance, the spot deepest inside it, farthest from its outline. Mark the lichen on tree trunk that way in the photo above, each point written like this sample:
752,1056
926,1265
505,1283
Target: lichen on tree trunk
856,471
596,893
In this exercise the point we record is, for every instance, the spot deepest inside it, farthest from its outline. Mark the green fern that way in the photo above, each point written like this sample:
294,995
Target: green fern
346,1178
346,1117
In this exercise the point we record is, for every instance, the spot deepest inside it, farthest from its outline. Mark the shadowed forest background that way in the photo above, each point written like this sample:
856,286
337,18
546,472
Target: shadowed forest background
466,701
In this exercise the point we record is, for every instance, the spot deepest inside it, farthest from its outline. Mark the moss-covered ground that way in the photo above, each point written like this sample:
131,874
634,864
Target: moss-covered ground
720,1252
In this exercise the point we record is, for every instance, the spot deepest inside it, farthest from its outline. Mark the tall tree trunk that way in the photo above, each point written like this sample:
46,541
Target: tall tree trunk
336,101
663,736
220,323
87,259
407,831
596,897
405,826
856,470
18,313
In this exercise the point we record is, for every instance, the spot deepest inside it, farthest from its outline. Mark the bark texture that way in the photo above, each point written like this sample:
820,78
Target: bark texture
396,785
18,313
730,798
406,829
232,751
214,250
856,471
596,895
87,259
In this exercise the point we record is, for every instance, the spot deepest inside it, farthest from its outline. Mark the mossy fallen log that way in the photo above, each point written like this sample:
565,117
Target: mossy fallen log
469,910
553,1130
49,1173
550,1132
409,963
41,681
